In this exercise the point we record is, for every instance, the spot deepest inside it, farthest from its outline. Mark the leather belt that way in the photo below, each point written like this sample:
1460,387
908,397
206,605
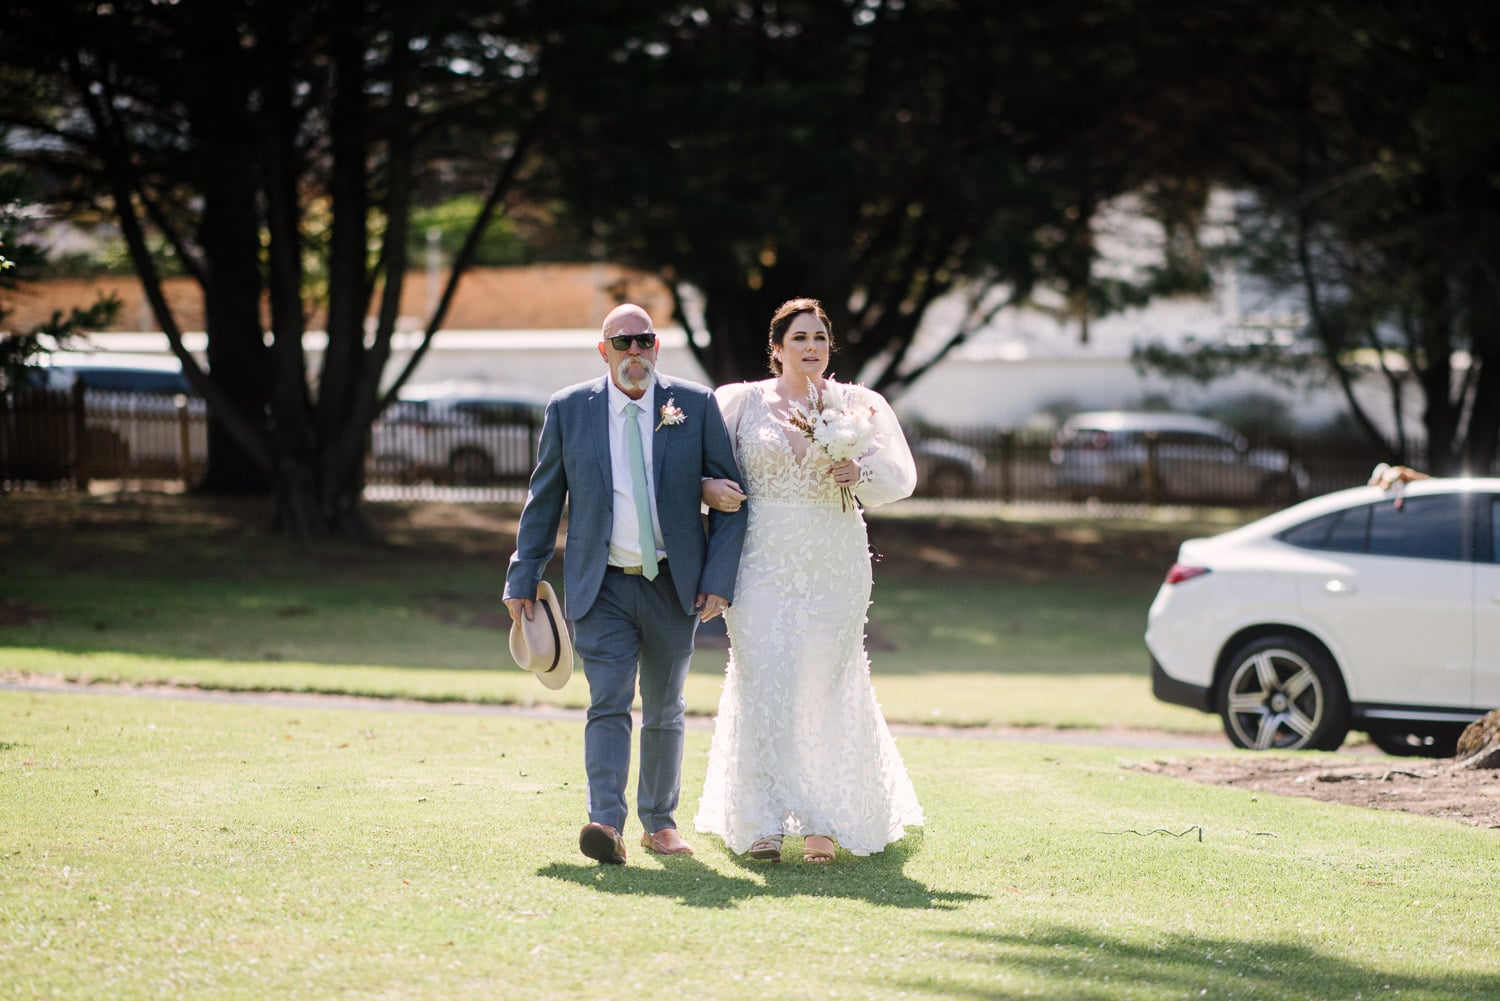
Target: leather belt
637,571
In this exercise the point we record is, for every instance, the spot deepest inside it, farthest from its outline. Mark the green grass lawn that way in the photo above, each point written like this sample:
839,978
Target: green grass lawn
216,849
154,848
1006,623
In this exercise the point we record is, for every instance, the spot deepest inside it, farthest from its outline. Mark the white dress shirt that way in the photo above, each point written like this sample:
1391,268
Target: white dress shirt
624,535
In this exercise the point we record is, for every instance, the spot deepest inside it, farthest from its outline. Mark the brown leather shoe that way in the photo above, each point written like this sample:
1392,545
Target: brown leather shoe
665,842
602,843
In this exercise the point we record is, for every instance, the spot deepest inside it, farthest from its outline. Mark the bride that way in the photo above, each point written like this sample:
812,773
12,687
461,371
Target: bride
799,745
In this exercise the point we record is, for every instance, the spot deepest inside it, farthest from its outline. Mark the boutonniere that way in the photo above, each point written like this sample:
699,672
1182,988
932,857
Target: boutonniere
670,414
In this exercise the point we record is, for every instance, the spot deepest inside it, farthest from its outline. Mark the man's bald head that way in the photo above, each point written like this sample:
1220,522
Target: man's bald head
627,318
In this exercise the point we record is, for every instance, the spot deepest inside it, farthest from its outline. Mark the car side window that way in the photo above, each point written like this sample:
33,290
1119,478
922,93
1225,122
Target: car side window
1341,532
1429,528
1311,534
1350,532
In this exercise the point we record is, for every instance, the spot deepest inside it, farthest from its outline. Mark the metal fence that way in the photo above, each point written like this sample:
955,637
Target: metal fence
52,439
1030,465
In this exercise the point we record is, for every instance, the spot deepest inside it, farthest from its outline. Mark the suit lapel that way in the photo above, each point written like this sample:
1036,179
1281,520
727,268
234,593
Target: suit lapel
598,419
660,393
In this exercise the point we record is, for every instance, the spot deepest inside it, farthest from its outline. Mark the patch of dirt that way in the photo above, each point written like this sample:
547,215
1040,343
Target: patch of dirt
1425,786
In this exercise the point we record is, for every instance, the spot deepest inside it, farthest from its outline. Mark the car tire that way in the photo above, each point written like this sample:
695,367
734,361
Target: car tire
470,467
1284,693
1405,742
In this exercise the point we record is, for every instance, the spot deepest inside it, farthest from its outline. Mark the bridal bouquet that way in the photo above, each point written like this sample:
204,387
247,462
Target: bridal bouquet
836,430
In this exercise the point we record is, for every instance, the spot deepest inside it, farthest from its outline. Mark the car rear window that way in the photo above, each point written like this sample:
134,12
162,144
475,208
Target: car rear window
1428,528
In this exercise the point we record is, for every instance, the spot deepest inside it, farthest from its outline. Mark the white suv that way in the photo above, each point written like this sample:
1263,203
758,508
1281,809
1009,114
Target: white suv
1361,609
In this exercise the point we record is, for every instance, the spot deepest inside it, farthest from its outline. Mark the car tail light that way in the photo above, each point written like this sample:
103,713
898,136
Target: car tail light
1182,572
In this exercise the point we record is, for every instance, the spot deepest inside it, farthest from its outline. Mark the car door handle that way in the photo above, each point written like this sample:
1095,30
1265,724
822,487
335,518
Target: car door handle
1339,587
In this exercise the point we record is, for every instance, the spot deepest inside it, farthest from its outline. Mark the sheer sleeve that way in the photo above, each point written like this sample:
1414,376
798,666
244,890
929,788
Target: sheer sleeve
887,471
732,398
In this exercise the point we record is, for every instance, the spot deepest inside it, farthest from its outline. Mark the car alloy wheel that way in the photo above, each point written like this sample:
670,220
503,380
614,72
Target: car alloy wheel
1283,693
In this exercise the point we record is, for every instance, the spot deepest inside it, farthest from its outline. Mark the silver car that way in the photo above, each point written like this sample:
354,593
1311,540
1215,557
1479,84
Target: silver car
1361,609
1122,455
463,434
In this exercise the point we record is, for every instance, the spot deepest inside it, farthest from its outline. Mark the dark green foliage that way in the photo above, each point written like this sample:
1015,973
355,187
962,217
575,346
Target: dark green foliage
878,156
1373,210
21,258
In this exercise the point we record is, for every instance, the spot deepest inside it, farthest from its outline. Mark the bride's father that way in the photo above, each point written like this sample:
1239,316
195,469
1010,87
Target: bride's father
628,453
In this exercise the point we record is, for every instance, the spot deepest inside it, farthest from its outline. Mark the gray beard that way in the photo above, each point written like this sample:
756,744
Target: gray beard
642,382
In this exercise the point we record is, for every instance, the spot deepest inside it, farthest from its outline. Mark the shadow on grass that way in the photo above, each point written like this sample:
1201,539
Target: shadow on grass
1084,963
879,879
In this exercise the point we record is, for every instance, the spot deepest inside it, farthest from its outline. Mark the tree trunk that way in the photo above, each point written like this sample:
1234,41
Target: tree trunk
1482,445
739,321
227,264
319,499
229,233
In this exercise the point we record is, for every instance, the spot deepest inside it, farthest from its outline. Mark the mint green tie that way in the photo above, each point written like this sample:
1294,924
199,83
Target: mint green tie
642,491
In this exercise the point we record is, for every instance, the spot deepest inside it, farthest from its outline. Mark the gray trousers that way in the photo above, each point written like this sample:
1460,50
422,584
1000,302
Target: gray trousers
635,629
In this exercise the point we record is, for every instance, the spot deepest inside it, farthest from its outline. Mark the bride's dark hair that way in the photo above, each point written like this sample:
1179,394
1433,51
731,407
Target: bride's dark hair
782,319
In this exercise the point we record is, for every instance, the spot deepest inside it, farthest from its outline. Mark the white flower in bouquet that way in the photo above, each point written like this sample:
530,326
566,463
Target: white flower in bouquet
836,429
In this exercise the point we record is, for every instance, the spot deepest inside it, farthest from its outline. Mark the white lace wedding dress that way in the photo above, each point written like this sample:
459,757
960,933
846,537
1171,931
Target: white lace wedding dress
800,746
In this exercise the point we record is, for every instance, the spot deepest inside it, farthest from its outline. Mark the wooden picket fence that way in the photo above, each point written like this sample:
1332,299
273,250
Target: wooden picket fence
68,438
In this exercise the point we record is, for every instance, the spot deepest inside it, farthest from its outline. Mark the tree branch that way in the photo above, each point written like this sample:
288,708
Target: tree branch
493,204
122,180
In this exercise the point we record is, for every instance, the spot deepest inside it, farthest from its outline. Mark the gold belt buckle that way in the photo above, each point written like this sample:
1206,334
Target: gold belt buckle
633,571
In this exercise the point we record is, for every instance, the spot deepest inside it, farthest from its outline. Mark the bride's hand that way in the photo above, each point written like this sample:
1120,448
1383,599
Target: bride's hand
845,473
709,606
723,495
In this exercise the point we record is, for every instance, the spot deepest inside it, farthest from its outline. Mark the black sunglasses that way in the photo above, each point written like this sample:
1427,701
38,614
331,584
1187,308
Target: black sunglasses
621,342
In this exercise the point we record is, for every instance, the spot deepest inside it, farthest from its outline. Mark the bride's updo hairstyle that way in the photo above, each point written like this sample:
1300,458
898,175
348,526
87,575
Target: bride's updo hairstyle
782,319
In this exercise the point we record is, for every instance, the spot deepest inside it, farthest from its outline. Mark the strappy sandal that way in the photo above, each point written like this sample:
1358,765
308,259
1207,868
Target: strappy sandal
817,848
766,849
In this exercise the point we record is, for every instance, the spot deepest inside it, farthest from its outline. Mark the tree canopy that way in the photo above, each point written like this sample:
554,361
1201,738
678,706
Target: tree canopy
274,148
1372,201
876,154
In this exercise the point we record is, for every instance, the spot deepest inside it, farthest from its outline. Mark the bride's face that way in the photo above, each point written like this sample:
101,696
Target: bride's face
804,349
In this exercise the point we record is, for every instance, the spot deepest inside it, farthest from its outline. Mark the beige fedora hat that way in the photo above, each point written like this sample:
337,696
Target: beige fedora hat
541,645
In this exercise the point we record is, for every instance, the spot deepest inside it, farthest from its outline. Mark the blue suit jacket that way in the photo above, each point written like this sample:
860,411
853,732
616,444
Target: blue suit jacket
573,466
